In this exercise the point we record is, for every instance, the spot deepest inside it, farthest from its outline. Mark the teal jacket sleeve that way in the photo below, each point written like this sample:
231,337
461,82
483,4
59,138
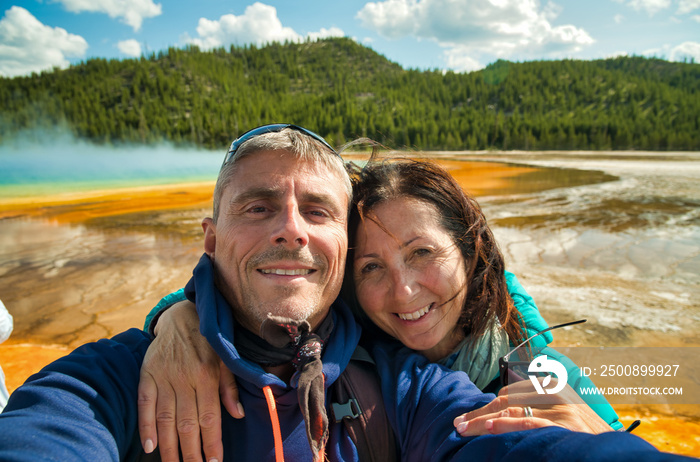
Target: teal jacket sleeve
164,303
531,319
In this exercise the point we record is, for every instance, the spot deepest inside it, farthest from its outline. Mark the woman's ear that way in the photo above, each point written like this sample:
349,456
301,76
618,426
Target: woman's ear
209,228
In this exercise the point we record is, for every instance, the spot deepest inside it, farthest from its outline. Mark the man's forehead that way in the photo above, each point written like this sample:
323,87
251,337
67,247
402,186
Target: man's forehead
283,162
274,172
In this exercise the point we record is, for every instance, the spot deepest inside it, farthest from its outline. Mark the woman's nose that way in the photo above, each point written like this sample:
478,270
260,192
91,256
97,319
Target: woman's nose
404,285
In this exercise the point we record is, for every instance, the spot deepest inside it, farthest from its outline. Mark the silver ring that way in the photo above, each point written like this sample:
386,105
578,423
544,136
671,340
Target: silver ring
528,411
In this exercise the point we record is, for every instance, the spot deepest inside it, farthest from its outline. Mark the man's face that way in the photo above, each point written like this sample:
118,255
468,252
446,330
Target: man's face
280,241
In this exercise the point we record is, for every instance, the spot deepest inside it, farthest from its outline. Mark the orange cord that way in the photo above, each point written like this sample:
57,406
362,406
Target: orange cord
276,431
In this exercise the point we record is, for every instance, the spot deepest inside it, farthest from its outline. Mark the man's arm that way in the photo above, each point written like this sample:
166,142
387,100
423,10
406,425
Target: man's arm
80,407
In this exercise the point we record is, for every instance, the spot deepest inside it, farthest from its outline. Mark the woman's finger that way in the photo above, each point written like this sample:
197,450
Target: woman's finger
167,425
513,424
228,389
147,397
480,425
498,404
188,423
209,414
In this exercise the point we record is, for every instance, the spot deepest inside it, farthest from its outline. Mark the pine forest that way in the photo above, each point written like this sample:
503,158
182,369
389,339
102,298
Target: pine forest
343,91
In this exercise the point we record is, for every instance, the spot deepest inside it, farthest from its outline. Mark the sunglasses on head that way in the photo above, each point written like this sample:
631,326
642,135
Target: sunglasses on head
271,128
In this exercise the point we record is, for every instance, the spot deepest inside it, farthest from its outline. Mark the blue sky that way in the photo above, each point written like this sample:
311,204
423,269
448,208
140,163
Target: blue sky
462,35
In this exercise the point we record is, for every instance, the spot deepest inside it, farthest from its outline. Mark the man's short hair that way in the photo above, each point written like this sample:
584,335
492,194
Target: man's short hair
304,147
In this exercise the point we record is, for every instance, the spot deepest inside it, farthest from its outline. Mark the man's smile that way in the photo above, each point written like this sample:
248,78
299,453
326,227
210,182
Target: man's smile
287,272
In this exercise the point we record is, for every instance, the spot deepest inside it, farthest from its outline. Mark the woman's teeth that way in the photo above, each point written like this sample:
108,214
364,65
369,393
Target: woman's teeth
415,315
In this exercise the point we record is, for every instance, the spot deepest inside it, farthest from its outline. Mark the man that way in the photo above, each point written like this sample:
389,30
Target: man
265,292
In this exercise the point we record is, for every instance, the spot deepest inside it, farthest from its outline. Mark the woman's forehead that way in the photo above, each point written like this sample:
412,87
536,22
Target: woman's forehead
402,220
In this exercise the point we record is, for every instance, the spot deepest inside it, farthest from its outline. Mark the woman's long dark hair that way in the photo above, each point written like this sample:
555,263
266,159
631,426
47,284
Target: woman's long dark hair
487,292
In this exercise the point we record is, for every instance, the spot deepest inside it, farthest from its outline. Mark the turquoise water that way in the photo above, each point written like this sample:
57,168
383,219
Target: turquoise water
29,169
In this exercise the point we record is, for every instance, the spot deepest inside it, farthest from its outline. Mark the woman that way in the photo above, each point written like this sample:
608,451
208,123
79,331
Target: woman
426,270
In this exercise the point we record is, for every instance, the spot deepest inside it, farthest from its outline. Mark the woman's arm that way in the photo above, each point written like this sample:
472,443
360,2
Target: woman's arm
507,413
178,395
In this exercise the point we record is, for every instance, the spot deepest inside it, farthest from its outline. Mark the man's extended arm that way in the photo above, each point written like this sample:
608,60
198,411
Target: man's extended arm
80,407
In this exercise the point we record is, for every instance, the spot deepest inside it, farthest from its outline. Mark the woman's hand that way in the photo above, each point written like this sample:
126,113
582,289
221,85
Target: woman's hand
178,395
507,412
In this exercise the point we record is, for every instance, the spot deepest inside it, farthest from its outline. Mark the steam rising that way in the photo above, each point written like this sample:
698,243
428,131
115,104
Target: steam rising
50,162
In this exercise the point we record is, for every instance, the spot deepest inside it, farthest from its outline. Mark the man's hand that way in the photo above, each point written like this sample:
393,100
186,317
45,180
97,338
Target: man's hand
178,395
506,413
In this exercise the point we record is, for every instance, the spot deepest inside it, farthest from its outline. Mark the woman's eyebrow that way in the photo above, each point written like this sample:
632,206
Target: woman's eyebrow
367,255
374,255
408,242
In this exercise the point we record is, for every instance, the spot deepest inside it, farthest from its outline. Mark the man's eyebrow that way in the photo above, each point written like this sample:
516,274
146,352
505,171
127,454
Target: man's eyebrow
401,246
255,193
325,199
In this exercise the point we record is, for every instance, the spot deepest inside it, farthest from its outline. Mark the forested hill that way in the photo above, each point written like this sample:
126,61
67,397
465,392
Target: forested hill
343,90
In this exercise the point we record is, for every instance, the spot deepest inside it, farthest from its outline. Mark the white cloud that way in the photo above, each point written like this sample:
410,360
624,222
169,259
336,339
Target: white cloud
130,47
650,6
686,6
130,12
27,45
618,18
695,17
326,33
659,52
259,24
472,29
686,50
460,61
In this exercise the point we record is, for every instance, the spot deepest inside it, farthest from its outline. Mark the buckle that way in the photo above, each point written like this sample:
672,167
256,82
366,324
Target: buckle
350,410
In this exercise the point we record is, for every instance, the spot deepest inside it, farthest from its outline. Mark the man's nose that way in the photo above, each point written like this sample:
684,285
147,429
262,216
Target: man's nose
292,231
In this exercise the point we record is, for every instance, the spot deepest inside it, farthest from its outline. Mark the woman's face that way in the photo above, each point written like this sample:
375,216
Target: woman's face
410,276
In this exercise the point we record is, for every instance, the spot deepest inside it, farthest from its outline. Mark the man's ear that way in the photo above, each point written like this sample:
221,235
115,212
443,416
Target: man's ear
209,236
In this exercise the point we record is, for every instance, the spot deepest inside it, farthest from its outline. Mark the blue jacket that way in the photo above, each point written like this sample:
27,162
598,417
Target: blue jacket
531,320
84,406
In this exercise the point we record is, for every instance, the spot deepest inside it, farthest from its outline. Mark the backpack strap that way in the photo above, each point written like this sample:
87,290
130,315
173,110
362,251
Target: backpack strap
356,399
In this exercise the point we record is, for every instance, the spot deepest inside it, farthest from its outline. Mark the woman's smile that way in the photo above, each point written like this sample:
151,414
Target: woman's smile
416,315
